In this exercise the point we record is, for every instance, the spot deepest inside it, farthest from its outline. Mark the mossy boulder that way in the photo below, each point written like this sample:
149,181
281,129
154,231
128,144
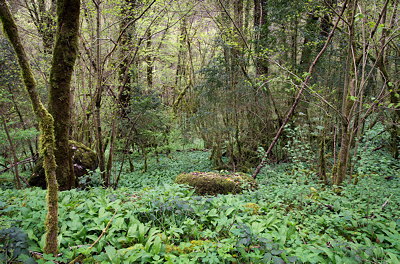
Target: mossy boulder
84,160
214,183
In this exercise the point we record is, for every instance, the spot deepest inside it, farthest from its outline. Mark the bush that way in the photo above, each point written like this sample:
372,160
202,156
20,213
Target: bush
217,183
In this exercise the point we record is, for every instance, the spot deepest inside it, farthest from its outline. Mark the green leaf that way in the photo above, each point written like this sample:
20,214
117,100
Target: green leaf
229,211
393,258
156,248
111,253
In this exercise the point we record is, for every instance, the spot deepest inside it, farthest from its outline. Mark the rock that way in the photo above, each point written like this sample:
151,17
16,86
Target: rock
84,160
213,183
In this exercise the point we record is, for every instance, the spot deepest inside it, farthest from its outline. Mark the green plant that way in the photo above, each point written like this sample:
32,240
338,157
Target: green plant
285,219
373,157
14,246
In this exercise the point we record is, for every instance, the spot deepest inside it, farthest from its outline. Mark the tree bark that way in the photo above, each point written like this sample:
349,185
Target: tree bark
261,35
64,56
349,90
127,30
44,21
46,127
100,146
149,60
13,153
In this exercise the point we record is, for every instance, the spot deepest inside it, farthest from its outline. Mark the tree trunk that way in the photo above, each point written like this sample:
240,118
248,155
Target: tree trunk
100,146
349,91
180,67
111,152
22,121
261,37
149,60
64,56
14,154
126,77
46,127
44,21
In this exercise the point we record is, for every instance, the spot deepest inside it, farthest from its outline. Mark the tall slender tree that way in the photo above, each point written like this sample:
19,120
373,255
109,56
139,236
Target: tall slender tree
52,139
64,56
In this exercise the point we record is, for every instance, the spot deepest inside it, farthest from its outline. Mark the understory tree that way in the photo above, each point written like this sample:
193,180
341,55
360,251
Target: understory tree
52,139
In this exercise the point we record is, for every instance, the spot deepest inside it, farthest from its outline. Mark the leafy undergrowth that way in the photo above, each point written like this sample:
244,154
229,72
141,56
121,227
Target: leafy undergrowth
162,169
289,219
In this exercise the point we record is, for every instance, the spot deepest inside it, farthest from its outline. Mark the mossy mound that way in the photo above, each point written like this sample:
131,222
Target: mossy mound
213,183
84,160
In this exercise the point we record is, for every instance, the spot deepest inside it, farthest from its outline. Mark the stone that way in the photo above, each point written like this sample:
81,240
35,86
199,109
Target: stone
213,183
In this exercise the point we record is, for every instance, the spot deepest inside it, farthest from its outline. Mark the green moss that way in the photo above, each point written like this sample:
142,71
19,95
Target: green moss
217,183
253,208
84,155
186,248
84,160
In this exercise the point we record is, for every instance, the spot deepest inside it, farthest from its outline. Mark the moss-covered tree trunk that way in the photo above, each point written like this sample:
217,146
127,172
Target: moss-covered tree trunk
53,138
349,91
46,126
42,13
100,144
64,55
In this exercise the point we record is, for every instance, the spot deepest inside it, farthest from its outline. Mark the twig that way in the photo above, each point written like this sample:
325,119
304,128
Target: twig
80,257
387,201
378,148
27,160
298,96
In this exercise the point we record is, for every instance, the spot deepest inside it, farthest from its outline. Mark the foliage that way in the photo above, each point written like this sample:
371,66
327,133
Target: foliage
372,157
162,168
289,219
146,124
225,115
14,246
155,76
298,147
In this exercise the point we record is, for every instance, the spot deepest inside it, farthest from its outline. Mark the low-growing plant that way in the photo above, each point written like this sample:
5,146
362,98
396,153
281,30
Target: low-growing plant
286,220
14,246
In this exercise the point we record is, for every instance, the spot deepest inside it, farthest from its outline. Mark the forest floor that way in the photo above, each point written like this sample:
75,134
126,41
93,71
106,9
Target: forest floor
291,218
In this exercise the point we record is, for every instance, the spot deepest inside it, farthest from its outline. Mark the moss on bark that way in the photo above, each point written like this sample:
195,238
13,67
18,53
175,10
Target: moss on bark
84,160
64,56
46,127
62,65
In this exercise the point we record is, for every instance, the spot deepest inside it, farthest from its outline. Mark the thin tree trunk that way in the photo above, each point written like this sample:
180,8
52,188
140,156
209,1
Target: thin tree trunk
13,153
46,127
297,99
180,67
149,60
98,96
21,119
349,91
111,153
44,21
